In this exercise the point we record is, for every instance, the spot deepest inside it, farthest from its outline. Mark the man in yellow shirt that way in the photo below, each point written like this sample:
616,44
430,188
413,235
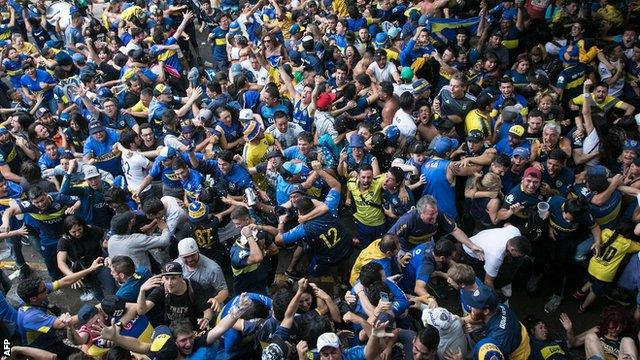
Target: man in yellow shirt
600,97
480,118
365,191
256,148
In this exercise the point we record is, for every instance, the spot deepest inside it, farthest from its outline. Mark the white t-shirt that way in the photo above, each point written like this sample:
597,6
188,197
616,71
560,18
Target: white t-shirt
591,145
615,89
261,75
286,139
383,74
175,214
405,123
494,244
399,89
135,168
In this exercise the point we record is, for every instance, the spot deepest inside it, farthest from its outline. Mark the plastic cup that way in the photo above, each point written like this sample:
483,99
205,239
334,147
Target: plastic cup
543,209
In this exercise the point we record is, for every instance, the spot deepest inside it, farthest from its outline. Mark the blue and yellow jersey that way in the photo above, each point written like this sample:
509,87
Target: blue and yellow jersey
571,79
35,324
604,266
606,215
369,202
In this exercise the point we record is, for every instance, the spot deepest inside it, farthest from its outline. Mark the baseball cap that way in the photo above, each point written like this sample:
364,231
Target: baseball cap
293,168
163,346
481,298
78,58
104,92
442,144
90,171
236,69
41,111
420,86
73,10
86,312
440,318
516,130
406,73
484,100
631,145
392,133
325,100
533,172
95,127
187,246
295,28
245,114
522,152
297,189
417,148
197,211
187,127
597,170
251,130
273,153
276,350
166,153
356,141
328,340
539,79
172,268
475,136
393,32
510,113
3,130
205,115
234,26
113,305
381,39
163,89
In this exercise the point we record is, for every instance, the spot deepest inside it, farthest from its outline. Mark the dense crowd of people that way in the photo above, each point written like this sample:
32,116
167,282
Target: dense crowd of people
409,163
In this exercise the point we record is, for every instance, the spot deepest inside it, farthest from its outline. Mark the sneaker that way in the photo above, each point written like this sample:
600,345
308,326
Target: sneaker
553,304
532,284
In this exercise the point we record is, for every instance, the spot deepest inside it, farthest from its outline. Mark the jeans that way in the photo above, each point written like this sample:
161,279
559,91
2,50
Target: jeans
15,248
48,253
368,234
101,282
584,248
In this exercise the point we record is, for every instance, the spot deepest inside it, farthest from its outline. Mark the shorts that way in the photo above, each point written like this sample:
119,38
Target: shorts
598,286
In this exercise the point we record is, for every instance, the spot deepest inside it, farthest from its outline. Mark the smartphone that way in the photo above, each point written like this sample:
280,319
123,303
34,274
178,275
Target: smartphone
384,296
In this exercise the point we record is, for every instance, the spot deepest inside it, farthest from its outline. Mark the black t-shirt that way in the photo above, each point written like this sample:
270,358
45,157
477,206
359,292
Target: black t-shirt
189,305
83,250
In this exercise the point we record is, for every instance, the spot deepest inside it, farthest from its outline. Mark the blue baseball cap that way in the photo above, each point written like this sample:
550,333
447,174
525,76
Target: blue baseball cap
481,298
297,188
569,54
356,141
522,152
393,133
631,145
104,92
166,153
381,39
442,144
163,346
293,168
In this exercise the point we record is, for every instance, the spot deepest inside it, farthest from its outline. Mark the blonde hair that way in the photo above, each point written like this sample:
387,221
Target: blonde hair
462,274
486,182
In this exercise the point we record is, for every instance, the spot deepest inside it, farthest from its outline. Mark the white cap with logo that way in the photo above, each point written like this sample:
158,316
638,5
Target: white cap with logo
328,340
187,246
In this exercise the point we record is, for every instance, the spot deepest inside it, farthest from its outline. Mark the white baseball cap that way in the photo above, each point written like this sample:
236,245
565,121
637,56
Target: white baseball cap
187,246
328,340
246,114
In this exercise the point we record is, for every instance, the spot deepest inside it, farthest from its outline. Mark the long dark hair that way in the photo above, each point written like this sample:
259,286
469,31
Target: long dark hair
625,228
71,221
